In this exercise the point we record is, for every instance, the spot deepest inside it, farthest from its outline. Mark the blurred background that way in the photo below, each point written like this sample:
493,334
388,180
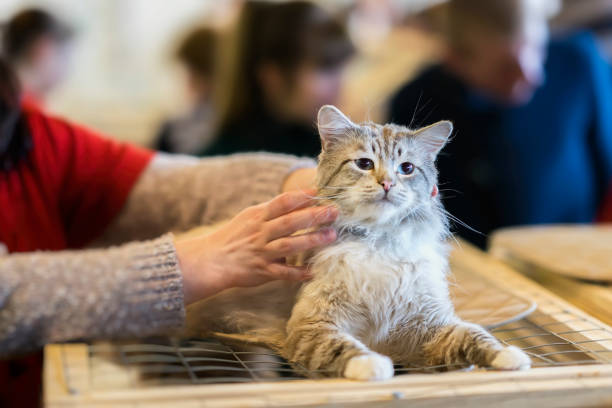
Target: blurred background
526,82
122,61
124,79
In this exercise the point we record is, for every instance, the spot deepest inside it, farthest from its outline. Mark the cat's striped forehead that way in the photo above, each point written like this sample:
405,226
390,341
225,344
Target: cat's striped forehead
382,139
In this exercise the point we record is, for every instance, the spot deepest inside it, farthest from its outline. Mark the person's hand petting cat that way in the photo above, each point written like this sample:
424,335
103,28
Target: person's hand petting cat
251,249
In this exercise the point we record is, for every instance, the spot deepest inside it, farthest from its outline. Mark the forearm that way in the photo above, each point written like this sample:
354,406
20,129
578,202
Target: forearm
177,193
130,291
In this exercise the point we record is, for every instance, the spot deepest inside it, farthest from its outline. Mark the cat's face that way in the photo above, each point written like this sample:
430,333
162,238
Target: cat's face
378,174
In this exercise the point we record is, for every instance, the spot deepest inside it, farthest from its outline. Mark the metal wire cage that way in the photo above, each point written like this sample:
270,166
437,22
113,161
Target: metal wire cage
555,335
547,339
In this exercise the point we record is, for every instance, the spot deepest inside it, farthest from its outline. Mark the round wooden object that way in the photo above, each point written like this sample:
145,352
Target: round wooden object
578,251
483,302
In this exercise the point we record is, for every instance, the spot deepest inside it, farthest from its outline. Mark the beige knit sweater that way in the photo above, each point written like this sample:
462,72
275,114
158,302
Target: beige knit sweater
134,289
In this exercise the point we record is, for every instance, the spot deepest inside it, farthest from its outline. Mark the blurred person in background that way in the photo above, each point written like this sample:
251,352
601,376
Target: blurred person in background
533,139
192,133
286,60
592,15
38,46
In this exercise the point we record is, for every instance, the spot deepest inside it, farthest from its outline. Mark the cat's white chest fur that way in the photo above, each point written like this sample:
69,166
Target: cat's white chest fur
377,289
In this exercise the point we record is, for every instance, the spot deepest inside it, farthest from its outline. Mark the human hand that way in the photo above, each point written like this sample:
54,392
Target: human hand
251,249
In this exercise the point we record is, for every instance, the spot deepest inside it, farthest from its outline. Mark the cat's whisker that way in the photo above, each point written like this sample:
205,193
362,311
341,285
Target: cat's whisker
328,197
443,190
416,108
336,187
322,197
463,224
456,241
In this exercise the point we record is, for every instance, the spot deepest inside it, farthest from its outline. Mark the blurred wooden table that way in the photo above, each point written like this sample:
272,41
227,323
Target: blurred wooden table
575,262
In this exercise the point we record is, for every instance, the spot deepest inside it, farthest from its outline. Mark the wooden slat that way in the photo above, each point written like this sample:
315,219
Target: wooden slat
66,372
562,385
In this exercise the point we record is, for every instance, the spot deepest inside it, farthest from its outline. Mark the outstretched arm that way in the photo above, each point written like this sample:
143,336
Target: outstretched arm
140,289
176,193
128,291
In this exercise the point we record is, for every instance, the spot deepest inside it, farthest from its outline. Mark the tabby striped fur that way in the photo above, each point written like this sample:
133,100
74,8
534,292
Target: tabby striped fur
379,294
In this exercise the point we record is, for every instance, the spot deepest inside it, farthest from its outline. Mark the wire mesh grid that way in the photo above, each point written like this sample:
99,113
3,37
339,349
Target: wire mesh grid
551,339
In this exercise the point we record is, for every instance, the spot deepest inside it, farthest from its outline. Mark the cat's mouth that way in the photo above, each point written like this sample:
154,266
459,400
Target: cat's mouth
384,200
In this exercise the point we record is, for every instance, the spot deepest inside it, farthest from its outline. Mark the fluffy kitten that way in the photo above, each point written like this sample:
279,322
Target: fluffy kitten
379,294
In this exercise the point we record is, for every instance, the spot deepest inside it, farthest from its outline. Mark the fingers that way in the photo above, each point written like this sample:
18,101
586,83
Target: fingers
299,220
285,272
288,202
287,246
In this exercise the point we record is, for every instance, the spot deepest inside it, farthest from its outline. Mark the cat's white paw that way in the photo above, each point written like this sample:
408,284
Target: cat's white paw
369,367
511,358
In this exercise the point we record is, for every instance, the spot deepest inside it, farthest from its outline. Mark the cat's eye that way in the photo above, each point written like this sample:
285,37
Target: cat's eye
364,164
406,168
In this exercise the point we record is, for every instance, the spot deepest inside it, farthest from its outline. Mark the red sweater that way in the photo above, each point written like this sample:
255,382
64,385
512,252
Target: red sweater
67,191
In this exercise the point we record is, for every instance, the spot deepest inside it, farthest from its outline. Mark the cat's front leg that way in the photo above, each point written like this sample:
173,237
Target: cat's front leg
322,346
463,342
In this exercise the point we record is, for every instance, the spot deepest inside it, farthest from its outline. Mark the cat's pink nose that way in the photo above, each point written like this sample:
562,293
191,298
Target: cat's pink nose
386,185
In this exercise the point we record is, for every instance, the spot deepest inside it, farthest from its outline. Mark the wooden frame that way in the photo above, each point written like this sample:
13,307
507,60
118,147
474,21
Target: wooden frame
582,385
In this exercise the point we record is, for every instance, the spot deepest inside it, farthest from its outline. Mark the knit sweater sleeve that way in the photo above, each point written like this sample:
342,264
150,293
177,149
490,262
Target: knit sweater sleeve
176,193
130,291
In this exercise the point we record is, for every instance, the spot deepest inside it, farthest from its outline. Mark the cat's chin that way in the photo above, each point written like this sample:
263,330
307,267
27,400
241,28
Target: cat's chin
375,216
385,203
383,199
379,206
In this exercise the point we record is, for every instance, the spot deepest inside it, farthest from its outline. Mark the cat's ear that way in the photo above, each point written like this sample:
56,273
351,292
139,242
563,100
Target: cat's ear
434,137
333,125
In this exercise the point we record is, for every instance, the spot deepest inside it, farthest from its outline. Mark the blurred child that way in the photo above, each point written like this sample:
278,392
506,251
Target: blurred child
286,60
193,132
37,45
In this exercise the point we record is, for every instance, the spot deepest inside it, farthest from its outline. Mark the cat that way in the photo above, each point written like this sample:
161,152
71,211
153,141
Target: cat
379,294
